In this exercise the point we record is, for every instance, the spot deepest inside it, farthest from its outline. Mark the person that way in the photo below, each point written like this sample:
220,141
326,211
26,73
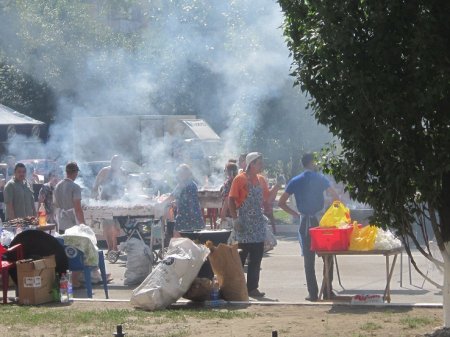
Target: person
18,195
268,209
67,199
46,196
10,166
248,197
241,162
189,214
231,171
32,177
308,189
110,185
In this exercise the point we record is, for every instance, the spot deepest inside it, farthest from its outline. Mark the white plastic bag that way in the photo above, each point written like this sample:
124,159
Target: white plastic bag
172,277
227,223
139,261
6,237
82,230
271,240
385,240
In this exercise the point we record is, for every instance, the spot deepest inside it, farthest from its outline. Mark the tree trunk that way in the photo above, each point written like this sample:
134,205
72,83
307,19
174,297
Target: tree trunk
446,288
444,227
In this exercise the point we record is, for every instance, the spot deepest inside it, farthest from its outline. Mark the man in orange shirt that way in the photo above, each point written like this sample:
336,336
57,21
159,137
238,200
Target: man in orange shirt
249,195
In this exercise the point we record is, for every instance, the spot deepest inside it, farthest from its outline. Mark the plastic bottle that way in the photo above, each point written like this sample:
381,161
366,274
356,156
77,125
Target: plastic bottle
69,285
55,289
42,215
63,289
215,292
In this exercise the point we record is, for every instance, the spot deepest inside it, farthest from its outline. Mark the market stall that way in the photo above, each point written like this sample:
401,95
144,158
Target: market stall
144,207
211,200
339,235
330,255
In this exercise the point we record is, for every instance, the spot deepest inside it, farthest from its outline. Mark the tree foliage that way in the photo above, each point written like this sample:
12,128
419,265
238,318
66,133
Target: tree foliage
286,130
378,73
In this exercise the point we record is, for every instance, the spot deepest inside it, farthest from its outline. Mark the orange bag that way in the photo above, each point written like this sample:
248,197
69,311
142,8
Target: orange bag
336,215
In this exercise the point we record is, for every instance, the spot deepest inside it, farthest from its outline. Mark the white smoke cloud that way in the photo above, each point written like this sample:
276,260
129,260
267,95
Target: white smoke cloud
238,44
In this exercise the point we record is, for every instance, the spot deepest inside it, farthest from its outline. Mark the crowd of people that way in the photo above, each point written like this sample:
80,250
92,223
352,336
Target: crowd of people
247,205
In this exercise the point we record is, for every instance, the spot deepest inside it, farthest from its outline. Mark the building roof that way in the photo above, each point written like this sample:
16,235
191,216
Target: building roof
10,117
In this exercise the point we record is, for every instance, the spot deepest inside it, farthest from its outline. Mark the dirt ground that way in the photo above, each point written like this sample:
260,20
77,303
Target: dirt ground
255,320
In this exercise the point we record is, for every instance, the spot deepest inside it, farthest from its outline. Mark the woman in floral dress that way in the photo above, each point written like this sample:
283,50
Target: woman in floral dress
189,214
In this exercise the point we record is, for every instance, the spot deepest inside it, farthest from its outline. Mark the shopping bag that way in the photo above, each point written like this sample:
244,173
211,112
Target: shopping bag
336,215
363,239
227,266
270,241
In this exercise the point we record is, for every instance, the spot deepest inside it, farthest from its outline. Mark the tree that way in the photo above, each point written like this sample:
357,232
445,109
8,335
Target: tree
21,92
378,75
286,130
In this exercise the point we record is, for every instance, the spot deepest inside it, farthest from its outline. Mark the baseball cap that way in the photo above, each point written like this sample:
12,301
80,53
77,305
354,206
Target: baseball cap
72,167
252,156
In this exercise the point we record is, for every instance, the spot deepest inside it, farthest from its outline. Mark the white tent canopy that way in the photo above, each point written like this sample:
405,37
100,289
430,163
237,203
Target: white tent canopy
201,129
10,117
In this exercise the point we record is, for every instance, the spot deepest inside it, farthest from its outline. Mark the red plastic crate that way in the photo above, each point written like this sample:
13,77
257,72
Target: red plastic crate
330,238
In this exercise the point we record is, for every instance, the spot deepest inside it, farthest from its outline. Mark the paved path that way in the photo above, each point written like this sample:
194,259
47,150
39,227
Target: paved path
283,280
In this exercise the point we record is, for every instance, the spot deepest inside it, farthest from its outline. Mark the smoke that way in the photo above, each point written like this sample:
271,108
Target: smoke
215,59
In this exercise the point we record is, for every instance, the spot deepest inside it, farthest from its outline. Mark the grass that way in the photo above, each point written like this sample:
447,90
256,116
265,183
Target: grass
282,217
33,316
415,322
370,326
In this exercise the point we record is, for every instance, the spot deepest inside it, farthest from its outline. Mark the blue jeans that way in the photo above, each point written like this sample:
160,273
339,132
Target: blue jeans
307,222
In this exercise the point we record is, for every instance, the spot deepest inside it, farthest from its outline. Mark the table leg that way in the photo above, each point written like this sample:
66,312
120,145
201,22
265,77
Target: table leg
401,270
337,271
326,282
390,272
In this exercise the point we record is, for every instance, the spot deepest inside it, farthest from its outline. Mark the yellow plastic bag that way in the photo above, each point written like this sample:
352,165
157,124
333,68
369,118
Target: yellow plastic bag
363,239
336,215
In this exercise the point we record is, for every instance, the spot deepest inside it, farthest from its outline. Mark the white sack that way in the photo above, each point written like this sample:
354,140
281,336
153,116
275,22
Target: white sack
139,261
172,277
386,240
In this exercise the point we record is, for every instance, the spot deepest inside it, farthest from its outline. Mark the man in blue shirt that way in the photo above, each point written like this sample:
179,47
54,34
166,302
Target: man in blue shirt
308,189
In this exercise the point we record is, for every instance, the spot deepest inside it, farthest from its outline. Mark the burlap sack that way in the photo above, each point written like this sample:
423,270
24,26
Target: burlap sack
200,290
226,265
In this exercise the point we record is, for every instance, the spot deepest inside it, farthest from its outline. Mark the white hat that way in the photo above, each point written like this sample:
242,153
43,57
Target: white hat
252,156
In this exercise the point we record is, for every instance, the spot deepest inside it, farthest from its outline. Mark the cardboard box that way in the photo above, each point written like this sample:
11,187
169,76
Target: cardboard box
35,280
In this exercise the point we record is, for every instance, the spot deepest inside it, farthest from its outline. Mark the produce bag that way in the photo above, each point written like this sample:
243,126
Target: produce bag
139,261
386,240
172,277
271,240
227,266
337,215
363,239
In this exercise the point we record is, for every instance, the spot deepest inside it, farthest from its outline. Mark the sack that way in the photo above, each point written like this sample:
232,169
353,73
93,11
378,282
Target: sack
200,290
139,261
337,215
386,240
227,266
271,241
363,239
172,277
